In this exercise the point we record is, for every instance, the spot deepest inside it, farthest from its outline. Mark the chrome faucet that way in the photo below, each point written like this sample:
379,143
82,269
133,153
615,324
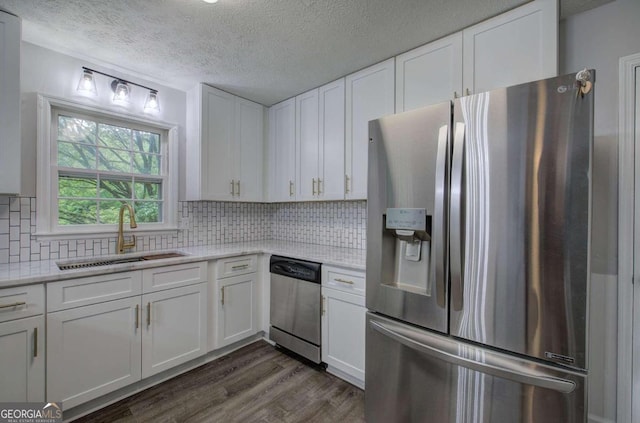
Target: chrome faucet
132,224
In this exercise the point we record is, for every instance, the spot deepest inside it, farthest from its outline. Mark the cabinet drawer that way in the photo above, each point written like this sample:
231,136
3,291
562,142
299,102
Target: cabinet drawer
343,279
233,266
21,301
92,290
160,278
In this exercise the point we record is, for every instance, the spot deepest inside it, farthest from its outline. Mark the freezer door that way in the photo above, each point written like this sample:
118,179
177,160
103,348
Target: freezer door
520,219
419,376
407,216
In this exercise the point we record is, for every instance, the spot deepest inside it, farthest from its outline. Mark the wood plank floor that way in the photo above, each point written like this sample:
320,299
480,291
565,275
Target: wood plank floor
257,383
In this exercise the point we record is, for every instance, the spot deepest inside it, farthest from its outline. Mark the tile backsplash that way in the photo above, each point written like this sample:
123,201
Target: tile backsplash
337,223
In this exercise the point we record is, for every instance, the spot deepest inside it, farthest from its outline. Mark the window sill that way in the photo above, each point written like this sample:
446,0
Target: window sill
60,236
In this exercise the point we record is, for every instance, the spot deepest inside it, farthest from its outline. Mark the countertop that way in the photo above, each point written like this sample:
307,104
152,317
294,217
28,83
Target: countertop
24,273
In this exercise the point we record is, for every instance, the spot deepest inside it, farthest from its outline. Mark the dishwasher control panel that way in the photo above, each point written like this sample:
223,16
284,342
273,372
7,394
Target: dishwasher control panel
294,268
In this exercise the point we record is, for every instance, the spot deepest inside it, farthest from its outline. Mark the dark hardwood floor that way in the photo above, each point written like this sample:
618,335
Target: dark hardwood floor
257,383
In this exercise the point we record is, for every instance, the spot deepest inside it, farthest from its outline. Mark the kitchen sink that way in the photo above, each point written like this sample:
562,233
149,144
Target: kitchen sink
72,265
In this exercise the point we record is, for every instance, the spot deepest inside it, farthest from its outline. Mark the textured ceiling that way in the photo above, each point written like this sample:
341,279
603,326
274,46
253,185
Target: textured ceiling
263,50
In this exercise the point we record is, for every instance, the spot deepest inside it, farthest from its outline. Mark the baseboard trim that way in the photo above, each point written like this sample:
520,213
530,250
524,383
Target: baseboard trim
122,393
346,377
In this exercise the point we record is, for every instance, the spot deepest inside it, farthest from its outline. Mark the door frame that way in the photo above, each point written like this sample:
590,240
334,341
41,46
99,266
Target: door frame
628,257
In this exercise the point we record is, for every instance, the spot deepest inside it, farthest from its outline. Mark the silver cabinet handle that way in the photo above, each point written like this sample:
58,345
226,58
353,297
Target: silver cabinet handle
346,184
319,186
137,316
222,295
238,185
16,304
491,364
313,186
455,94
438,272
468,92
323,300
290,188
148,314
35,342
344,281
457,278
233,191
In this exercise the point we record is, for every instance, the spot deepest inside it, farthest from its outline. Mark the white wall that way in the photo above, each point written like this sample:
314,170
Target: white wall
597,39
47,72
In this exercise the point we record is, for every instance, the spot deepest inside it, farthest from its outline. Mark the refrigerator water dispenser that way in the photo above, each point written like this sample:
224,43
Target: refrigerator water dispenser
407,230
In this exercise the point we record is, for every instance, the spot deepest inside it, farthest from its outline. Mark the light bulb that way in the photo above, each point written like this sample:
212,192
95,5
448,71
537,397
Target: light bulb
120,92
87,84
152,105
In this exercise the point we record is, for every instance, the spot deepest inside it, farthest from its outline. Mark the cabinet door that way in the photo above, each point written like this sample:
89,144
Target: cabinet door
10,138
429,74
370,95
331,134
282,124
92,350
175,327
249,150
218,131
512,48
307,145
343,328
22,360
237,317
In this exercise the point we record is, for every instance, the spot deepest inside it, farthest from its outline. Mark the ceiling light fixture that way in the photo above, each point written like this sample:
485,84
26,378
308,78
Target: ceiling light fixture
210,1
120,91
120,87
151,105
87,84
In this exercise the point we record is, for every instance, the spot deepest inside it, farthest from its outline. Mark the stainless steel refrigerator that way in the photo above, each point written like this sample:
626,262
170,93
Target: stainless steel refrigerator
478,234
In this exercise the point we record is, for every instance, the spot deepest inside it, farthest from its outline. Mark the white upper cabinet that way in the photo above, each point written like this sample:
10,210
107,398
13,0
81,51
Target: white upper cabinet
249,172
307,145
331,141
429,74
370,95
282,135
320,143
224,147
513,48
10,134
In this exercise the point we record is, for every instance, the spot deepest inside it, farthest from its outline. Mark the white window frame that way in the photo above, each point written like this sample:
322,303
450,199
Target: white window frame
47,176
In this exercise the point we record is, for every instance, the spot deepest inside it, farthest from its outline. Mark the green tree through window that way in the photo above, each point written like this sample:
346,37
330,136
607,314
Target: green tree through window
102,165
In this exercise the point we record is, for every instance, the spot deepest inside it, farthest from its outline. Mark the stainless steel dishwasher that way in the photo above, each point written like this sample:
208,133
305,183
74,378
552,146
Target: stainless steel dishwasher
296,306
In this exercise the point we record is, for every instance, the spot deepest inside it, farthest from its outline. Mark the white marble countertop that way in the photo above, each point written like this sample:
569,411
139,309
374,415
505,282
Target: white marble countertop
31,272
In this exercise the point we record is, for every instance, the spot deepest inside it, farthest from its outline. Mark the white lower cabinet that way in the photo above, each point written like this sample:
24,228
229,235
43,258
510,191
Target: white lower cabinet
343,323
343,327
237,309
93,350
175,327
102,346
22,360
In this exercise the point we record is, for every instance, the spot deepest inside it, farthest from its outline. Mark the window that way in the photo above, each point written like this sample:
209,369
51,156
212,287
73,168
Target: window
99,162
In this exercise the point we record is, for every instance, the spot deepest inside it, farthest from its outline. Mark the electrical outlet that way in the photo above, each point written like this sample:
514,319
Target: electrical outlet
184,223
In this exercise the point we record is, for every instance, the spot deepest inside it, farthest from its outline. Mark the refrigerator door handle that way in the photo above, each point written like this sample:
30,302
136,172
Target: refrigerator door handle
457,164
438,250
493,364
